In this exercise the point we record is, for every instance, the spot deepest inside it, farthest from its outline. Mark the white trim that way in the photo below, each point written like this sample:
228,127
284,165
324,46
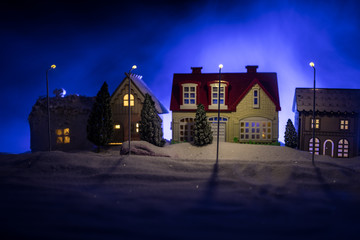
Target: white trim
213,105
189,105
332,147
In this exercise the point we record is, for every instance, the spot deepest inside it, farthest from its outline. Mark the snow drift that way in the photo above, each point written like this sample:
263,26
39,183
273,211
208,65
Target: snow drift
179,192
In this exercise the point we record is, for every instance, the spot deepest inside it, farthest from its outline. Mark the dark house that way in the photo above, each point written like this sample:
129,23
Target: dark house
120,107
68,120
69,116
336,121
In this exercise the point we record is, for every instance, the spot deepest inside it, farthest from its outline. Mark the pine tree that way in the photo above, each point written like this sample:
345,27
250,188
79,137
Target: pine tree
150,128
100,124
290,135
202,130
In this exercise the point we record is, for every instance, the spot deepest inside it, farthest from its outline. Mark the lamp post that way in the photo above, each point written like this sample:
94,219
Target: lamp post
129,119
48,104
218,118
313,122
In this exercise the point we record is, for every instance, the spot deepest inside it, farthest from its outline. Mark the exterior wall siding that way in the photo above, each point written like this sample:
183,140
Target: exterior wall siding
244,110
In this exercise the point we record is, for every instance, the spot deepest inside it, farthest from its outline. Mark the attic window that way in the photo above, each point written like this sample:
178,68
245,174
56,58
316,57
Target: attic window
256,97
344,124
126,100
62,136
216,93
189,96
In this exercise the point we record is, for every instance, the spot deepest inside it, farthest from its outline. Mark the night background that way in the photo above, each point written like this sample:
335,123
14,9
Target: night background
92,42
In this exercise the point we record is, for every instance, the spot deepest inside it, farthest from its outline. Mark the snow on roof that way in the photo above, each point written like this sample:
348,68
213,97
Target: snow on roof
327,99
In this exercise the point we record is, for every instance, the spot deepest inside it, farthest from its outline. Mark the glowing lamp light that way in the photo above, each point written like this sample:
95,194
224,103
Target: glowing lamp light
53,66
312,64
221,66
134,67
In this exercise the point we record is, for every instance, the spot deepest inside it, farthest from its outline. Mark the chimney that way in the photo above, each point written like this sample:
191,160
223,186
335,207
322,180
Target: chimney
196,70
251,69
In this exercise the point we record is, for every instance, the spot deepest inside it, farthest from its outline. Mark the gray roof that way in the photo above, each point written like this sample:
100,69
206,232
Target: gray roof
137,80
327,100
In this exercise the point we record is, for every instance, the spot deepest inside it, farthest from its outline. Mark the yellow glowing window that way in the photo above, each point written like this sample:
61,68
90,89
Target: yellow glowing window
317,123
59,140
117,126
344,124
126,100
62,135
137,127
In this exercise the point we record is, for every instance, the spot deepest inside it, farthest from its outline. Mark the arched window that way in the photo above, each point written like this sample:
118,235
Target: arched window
126,100
343,148
316,146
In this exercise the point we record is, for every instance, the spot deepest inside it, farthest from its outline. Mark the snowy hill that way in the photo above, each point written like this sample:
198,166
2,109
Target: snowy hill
178,192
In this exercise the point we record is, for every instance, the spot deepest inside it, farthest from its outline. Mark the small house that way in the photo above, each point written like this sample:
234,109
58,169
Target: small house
336,121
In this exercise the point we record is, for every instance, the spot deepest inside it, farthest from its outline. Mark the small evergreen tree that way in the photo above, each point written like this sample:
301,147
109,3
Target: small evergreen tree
202,130
150,128
290,135
100,124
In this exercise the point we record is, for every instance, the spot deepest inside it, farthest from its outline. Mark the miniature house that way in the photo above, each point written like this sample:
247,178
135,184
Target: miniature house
336,121
249,105
120,107
68,120
69,116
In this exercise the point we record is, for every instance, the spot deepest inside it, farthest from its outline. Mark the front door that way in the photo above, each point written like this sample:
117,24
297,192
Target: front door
328,148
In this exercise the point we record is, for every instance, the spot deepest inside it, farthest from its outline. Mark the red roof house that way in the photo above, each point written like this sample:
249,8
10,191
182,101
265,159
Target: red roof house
249,104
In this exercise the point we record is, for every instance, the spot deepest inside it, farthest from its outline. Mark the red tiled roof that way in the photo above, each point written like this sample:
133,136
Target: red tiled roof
239,85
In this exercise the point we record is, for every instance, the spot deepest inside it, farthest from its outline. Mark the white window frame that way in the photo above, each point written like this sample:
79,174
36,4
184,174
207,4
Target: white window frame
256,97
214,96
186,129
189,95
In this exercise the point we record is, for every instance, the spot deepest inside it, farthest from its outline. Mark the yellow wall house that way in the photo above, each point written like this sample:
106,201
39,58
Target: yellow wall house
249,104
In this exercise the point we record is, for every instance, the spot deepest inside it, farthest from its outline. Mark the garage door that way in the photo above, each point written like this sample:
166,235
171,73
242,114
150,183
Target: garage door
222,128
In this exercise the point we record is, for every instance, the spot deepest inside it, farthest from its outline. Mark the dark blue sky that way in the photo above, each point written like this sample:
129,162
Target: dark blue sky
92,42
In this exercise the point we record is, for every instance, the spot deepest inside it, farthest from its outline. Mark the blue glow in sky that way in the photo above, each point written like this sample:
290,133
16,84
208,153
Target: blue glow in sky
92,43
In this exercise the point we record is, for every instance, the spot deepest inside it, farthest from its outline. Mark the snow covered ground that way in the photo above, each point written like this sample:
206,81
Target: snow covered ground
178,192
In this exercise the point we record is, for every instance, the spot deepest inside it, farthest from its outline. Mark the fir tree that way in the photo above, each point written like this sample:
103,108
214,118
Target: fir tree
290,135
202,130
150,128
100,124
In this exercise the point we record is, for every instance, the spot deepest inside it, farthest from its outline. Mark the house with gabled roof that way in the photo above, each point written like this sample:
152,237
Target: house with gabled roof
249,104
120,107
336,121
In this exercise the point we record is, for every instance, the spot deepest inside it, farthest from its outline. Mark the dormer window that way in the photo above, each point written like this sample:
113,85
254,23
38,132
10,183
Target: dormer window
189,96
217,92
256,98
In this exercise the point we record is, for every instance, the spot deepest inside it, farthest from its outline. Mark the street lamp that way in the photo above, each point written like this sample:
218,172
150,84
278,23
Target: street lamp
313,121
48,104
218,118
129,120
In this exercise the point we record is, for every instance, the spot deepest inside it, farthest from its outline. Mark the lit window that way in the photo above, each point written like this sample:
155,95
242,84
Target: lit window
344,124
137,127
259,129
343,148
117,126
256,103
317,123
316,146
62,135
126,100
